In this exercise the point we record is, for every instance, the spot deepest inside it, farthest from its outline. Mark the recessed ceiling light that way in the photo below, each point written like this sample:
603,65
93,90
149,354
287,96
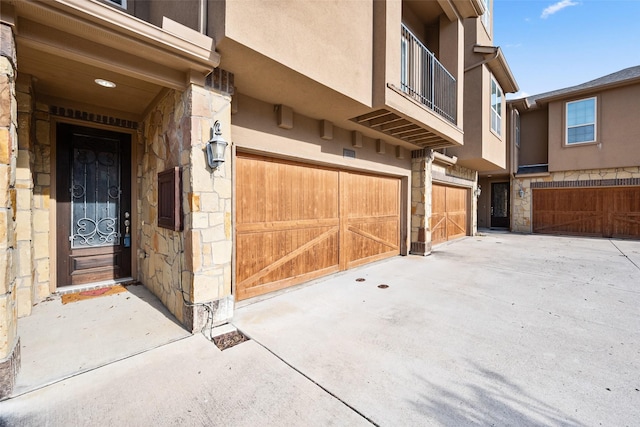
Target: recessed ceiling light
105,83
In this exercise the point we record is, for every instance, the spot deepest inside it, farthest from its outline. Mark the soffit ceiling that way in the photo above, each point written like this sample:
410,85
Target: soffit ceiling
57,77
65,51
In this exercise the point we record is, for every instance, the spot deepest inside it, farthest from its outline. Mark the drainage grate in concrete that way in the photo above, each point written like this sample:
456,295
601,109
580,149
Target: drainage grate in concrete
230,339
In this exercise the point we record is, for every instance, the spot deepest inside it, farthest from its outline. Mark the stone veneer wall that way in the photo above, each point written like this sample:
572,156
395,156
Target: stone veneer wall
160,251
9,340
24,199
41,174
33,187
424,171
420,202
189,270
521,213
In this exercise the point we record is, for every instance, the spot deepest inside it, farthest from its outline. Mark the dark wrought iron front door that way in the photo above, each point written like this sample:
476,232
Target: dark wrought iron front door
500,204
93,205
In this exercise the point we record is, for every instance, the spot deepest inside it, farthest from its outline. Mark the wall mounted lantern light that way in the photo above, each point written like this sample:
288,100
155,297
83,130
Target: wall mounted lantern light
215,147
478,191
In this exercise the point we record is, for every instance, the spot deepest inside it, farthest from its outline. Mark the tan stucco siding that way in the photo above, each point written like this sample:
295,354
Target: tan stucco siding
533,137
307,37
255,128
617,128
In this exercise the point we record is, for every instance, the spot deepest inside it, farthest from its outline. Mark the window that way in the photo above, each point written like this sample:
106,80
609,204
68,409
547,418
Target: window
496,107
581,121
486,17
121,3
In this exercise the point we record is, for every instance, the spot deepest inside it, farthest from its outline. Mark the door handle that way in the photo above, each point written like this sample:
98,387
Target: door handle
127,235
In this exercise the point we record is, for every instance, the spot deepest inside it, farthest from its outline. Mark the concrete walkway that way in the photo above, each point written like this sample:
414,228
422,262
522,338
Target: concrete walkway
59,341
498,329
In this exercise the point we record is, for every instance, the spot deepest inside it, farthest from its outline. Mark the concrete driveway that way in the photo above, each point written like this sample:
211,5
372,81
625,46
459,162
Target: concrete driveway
498,329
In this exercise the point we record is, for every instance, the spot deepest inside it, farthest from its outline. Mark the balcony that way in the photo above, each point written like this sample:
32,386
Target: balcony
425,79
415,98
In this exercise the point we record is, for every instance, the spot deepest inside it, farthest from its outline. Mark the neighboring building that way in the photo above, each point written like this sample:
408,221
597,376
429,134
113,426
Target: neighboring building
576,159
332,111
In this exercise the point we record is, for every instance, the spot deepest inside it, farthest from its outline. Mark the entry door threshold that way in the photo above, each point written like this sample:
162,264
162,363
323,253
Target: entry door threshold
94,285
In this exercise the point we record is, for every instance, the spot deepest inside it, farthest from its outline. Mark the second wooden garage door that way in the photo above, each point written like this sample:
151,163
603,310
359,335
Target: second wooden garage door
599,212
448,213
296,222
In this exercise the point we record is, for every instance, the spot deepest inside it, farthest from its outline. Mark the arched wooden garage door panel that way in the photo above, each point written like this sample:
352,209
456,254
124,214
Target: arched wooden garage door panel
296,222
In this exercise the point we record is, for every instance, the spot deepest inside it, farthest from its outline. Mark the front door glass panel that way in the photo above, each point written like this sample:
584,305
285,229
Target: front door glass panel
95,193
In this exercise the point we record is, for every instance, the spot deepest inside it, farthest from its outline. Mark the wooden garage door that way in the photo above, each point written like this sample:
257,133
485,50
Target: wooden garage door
296,222
600,212
448,213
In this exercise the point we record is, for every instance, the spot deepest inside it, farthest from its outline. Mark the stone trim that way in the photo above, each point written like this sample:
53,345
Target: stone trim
91,117
421,154
446,179
620,182
221,81
9,369
420,248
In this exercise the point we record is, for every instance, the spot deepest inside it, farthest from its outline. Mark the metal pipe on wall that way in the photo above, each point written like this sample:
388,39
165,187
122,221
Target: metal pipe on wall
203,16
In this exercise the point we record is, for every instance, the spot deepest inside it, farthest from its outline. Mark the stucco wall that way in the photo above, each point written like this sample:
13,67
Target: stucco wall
255,128
533,137
330,37
617,128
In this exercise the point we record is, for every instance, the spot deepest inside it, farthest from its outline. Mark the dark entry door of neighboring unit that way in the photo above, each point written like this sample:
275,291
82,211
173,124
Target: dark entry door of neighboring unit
93,207
500,204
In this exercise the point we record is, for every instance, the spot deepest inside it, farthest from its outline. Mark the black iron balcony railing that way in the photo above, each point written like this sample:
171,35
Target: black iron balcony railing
425,79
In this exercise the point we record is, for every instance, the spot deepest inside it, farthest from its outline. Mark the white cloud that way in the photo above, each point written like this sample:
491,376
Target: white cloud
550,10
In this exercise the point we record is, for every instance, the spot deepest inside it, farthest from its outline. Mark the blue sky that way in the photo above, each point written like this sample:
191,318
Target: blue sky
560,43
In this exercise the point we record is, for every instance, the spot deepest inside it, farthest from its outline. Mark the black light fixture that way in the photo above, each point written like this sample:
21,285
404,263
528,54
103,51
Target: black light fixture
215,147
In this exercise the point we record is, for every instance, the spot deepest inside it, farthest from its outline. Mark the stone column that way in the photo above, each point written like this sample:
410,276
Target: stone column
420,202
24,190
208,228
9,340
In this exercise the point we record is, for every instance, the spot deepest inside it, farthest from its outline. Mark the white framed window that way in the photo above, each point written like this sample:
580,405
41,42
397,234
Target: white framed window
486,17
581,121
496,107
121,3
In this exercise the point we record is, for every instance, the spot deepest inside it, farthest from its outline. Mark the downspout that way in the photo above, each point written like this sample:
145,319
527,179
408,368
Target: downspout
203,17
